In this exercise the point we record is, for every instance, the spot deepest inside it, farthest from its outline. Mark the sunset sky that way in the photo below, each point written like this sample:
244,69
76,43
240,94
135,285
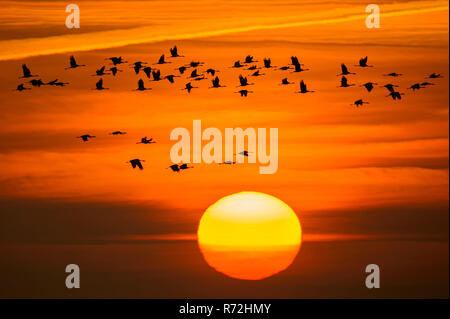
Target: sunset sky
368,184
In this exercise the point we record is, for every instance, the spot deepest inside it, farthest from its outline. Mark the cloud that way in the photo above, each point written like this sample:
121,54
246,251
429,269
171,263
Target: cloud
23,48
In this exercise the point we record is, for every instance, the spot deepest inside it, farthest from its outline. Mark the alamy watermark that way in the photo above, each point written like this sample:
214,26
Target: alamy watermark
73,19
258,149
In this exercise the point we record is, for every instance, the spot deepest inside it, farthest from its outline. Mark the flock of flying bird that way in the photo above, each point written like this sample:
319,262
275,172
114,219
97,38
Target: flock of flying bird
154,74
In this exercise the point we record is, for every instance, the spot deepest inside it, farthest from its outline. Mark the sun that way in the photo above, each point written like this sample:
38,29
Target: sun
249,235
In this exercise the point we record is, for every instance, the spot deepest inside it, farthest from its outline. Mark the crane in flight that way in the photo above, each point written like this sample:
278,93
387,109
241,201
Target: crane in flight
303,88
344,83
162,60
171,77
393,74
189,87
285,81
359,103
21,87
27,72
297,65
85,137
174,52
136,163
117,133
73,63
244,93
396,95
99,85
114,70
344,70
369,86
244,81
363,63
141,86
145,140
100,71
216,83
116,60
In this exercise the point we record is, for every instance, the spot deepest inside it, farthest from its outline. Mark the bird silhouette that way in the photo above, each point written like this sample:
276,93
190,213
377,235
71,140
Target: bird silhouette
396,95
99,85
359,103
211,71
390,87
175,168
393,74
243,81
171,77
27,72
117,60
185,166
197,77
227,163
363,63
237,64
136,163
57,83
73,63
285,68
137,66
297,65
156,75
194,74
216,83
181,69
100,71
162,60
189,87
245,153
141,86
174,52
257,73
249,59
117,133
434,76
344,70
253,67
244,93
148,71
369,86
303,88
285,81
21,87
194,64
36,82
114,70
415,86
268,63
344,83
85,137
145,140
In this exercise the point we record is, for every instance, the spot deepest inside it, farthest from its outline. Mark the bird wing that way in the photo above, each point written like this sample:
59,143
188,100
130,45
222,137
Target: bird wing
302,86
344,68
26,71
139,164
73,63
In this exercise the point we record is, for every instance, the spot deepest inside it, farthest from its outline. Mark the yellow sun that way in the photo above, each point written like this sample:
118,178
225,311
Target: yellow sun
249,235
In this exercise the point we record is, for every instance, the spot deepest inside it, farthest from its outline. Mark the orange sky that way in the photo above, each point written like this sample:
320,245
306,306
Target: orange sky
379,170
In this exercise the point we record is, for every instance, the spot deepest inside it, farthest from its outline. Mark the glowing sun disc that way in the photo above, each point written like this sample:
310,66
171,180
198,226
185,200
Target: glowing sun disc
249,235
